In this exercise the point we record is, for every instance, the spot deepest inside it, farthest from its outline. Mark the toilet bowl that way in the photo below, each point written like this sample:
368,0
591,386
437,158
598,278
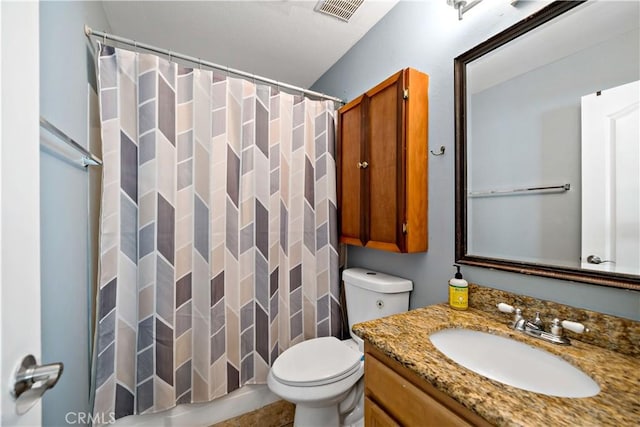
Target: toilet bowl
323,376
317,375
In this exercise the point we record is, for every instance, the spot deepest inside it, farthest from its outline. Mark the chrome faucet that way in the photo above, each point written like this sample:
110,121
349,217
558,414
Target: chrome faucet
535,327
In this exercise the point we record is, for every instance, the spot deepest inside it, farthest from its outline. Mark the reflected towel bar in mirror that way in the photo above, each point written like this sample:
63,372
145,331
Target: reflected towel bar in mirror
549,189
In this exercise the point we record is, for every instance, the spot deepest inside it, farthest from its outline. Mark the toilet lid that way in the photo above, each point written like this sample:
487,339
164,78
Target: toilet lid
315,362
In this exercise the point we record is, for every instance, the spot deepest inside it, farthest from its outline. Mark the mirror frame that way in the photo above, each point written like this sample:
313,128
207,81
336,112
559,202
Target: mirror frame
538,18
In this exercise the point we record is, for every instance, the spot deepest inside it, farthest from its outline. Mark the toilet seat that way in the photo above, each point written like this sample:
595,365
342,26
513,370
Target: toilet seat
316,362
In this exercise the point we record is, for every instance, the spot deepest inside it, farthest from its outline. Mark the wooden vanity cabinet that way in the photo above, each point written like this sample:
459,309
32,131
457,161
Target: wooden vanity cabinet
396,396
383,165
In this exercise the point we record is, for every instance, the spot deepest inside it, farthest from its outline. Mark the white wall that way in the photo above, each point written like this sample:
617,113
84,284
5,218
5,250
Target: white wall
427,35
66,70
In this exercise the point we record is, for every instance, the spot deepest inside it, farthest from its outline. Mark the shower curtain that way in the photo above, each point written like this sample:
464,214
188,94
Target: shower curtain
218,237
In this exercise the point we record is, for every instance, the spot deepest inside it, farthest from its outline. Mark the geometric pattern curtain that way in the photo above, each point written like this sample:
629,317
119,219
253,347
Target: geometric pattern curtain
218,246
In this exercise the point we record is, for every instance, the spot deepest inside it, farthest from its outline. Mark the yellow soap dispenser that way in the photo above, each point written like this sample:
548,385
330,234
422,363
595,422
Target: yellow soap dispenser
458,291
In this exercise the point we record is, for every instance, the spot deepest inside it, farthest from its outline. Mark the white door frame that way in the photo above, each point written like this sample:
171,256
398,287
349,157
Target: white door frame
19,199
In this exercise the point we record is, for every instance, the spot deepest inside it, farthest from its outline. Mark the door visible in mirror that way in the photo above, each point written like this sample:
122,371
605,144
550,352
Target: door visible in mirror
611,179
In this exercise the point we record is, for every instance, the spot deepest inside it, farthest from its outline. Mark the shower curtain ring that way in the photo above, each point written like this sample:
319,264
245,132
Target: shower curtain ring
104,38
169,56
200,63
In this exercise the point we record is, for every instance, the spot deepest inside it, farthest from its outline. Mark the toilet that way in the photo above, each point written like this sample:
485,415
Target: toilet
323,376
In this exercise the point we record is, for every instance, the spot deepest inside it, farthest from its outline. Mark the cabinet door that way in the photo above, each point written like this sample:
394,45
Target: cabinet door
351,186
382,165
374,416
385,153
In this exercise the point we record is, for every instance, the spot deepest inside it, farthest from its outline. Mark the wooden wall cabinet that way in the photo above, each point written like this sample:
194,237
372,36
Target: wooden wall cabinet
396,396
383,165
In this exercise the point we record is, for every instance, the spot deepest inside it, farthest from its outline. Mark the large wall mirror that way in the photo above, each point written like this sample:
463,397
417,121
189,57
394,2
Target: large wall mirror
548,146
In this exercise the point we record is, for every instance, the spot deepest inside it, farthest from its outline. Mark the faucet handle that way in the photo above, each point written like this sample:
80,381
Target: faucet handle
558,326
576,327
506,308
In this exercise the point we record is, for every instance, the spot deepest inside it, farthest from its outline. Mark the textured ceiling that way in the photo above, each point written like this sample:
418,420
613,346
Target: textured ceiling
283,40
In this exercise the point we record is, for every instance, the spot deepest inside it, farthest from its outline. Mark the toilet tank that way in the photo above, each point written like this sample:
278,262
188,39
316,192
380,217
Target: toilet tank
371,295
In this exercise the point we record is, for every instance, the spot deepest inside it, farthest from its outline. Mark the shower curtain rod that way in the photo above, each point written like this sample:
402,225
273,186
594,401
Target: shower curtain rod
136,45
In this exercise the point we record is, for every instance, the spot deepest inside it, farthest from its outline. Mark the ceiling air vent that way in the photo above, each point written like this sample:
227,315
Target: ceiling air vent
341,9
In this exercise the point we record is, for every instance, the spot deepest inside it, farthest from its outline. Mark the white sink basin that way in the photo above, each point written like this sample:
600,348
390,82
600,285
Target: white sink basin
514,363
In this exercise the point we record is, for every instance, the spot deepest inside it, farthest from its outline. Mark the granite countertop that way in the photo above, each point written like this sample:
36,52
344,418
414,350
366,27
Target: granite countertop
405,338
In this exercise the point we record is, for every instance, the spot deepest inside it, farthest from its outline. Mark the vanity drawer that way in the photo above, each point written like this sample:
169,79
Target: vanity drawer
407,400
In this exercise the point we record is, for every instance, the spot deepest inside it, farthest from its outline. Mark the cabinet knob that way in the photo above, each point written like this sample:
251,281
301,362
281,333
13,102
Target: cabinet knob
362,165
